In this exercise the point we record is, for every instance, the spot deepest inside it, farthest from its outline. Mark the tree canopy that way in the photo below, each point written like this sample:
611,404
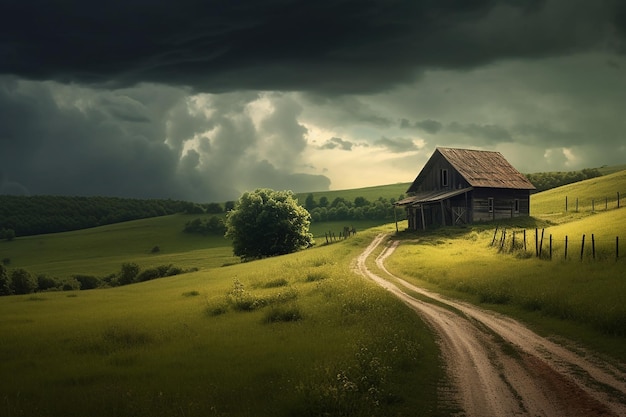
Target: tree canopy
267,223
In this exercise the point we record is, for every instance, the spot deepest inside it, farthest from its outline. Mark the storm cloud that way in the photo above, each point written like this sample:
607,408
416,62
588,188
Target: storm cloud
328,46
204,100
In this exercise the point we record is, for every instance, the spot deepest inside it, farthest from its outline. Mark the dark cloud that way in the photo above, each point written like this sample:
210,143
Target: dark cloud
483,134
326,45
144,142
429,126
338,143
397,145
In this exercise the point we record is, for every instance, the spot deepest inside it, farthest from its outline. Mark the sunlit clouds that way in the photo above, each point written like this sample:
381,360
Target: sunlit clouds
202,102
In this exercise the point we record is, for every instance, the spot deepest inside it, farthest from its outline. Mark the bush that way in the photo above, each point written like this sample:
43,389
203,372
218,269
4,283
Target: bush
46,283
5,282
22,282
128,273
284,314
87,282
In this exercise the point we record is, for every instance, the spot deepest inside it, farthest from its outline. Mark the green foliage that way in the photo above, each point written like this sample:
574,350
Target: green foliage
5,283
26,216
8,234
213,225
22,282
268,223
129,272
361,209
547,180
282,314
88,282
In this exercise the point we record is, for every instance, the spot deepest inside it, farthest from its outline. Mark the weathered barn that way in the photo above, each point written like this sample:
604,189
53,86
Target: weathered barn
461,186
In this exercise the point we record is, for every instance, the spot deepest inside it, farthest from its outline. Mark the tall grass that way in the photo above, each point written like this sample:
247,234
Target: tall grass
332,346
588,293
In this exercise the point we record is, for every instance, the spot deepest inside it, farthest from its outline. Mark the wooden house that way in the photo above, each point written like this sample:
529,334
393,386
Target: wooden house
462,186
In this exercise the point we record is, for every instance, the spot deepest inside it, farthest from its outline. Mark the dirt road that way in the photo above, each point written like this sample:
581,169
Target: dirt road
497,366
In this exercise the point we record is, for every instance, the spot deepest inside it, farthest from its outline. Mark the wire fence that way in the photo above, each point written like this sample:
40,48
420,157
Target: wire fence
537,243
592,204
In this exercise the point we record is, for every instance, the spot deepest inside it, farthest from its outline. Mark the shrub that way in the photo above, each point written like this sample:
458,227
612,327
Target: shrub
87,282
279,282
284,314
155,249
5,282
315,276
128,273
70,284
46,283
22,282
148,274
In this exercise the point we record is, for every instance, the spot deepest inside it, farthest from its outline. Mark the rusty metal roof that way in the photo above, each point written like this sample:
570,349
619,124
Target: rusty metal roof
431,196
481,169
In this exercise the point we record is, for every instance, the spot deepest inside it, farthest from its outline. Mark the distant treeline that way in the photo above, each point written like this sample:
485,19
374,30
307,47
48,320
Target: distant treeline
547,180
20,281
24,216
358,209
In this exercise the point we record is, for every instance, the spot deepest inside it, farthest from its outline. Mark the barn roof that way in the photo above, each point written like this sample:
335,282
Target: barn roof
432,196
480,169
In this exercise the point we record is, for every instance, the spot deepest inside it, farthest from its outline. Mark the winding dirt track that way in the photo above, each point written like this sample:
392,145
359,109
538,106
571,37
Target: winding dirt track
497,366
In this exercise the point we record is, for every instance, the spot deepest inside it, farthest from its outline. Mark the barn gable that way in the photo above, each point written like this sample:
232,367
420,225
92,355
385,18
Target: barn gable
459,186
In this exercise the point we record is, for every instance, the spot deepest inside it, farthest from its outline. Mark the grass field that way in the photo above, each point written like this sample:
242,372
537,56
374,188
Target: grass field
369,193
581,299
296,335
293,335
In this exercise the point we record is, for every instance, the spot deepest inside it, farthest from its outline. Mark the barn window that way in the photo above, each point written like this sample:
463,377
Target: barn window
516,205
444,177
490,202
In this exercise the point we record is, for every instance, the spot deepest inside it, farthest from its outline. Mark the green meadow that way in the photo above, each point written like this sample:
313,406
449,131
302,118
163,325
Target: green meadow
581,298
295,335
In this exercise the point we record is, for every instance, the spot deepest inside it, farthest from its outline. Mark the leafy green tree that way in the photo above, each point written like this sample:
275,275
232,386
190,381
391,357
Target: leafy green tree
361,202
22,282
309,202
229,205
129,272
268,223
5,283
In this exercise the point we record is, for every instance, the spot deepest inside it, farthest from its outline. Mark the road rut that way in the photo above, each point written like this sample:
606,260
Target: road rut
499,367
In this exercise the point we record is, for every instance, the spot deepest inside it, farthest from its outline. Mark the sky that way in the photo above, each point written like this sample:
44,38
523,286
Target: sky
203,100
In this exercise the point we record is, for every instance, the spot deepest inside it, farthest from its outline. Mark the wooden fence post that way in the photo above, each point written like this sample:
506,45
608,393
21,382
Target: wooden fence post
495,232
524,240
582,248
541,242
566,204
565,246
593,246
618,199
513,244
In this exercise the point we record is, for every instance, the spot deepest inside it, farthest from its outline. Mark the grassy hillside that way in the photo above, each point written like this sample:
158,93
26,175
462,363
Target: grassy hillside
292,335
370,193
601,192
101,250
579,298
